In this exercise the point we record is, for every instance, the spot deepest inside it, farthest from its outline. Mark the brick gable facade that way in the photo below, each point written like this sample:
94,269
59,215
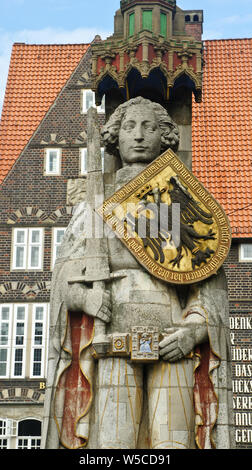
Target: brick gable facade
31,199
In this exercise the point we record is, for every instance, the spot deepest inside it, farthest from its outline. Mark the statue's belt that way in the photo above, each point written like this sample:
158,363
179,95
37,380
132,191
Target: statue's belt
141,345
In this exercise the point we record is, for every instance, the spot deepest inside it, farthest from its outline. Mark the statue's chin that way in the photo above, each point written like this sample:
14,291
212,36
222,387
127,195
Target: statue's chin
138,159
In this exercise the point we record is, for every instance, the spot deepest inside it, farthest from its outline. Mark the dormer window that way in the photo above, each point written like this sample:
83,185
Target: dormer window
88,101
147,20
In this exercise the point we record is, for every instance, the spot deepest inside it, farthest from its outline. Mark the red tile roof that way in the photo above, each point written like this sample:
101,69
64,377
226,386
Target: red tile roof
37,74
222,130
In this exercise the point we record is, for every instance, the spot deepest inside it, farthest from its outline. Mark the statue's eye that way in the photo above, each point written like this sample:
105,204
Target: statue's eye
150,126
129,125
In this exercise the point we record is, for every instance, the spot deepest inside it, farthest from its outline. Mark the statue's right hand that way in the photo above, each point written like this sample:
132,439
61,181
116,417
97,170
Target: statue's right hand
98,304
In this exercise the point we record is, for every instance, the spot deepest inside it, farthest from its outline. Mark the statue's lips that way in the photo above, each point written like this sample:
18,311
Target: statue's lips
140,148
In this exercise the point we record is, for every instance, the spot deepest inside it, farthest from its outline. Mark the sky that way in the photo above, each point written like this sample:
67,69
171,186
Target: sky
78,21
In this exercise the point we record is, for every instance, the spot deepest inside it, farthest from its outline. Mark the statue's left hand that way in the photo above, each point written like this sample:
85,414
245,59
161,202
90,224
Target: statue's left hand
177,344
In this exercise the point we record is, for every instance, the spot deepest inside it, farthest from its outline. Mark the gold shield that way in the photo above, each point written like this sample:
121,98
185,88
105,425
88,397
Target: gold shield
141,214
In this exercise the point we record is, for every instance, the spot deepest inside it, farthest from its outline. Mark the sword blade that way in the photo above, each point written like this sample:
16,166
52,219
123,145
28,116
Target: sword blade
97,261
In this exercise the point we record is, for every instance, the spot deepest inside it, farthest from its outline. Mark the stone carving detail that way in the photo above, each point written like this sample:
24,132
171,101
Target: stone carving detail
175,389
76,191
145,344
148,52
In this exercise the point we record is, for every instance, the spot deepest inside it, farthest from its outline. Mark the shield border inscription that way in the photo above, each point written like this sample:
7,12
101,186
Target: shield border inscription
134,245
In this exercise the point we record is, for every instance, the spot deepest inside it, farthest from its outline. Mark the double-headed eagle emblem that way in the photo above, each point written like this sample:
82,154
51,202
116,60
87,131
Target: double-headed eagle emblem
170,222
150,216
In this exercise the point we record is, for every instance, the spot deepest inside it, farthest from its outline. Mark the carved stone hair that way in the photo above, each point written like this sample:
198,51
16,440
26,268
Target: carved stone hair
169,129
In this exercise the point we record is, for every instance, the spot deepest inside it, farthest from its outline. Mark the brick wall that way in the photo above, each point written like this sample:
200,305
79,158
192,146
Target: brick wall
27,186
239,277
194,29
28,198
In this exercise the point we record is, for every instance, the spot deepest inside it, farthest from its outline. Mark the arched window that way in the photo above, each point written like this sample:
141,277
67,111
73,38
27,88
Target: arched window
196,18
29,434
187,18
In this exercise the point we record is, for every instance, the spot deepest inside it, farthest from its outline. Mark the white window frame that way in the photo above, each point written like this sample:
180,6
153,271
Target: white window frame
29,344
16,245
32,244
242,257
23,346
55,244
28,438
8,429
9,342
83,160
57,171
2,445
43,339
84,108
11,428
28,244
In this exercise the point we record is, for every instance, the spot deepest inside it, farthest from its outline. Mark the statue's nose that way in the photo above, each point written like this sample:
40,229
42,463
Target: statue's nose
139,133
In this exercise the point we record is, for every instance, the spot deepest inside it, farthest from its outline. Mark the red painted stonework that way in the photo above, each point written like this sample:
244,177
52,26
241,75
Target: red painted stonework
205,399
176,61
139,53
192,62
77,388
152,54
100,64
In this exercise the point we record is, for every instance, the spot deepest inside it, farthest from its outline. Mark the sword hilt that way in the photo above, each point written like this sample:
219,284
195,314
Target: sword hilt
100,342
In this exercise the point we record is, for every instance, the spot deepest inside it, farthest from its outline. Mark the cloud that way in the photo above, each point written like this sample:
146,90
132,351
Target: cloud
58,36
236,19
42,36
232,26
212,34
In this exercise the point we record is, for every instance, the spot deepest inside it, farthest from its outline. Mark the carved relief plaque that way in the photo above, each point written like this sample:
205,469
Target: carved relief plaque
145,344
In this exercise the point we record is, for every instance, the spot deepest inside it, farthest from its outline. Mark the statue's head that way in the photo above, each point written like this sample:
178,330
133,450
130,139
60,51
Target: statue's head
139,131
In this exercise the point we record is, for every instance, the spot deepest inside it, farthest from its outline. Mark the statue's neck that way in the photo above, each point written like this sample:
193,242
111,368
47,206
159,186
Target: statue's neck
127,173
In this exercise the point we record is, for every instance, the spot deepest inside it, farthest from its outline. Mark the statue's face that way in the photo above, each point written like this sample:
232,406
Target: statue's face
139,135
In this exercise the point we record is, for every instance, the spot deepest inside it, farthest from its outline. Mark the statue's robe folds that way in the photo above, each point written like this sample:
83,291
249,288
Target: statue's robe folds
70,409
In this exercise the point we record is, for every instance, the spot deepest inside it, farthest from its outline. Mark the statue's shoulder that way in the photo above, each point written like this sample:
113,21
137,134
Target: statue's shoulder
216,281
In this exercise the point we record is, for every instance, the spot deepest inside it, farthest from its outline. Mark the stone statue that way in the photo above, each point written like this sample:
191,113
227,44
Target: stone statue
181,401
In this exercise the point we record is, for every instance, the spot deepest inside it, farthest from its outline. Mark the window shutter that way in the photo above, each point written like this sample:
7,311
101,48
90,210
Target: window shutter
163,24
11,428
131,24
147,19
